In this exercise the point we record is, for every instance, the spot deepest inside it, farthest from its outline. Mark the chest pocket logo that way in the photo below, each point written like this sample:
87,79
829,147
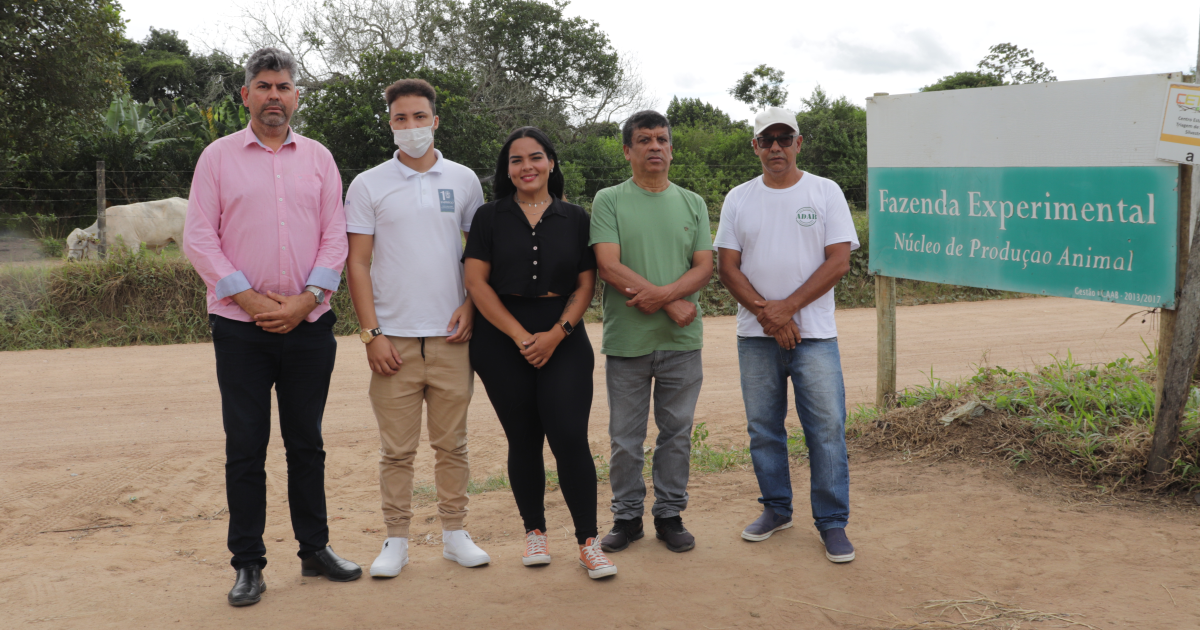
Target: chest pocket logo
806,217
446,199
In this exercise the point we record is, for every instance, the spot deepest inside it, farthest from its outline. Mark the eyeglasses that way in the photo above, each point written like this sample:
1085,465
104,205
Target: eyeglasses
765,142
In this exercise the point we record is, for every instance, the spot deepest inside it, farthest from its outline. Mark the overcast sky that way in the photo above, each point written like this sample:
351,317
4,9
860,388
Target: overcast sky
699,48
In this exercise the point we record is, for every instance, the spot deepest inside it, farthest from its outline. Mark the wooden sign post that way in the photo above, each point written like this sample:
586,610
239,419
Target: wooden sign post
1179,343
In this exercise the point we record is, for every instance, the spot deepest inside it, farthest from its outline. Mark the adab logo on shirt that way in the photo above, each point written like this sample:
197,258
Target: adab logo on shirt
806,217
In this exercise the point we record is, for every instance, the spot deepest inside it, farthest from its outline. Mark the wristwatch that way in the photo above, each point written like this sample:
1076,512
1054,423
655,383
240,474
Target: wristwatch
367,336
567,327
317,292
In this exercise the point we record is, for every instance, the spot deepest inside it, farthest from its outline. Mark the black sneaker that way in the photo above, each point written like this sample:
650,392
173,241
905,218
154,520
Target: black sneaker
624,531
671,531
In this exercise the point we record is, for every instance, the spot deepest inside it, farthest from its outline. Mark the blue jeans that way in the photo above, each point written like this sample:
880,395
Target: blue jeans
816,370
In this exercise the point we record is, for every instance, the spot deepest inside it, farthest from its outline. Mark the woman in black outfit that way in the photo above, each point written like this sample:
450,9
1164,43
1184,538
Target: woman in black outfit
531,274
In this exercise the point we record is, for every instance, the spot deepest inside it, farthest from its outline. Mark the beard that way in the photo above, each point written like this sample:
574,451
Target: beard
274,118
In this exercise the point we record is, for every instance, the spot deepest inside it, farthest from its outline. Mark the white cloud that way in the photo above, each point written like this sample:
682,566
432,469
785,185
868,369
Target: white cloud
914,50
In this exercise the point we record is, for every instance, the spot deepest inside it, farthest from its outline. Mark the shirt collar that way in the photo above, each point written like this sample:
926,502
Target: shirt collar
253,139
408,172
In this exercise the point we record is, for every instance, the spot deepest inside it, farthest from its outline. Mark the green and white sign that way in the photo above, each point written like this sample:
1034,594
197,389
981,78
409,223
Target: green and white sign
966,190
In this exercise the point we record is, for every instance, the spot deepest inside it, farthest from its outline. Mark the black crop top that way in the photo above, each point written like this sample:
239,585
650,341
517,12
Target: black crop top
531,261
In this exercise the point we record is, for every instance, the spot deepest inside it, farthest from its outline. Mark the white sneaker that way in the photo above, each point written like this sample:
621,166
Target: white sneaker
458,546
392,558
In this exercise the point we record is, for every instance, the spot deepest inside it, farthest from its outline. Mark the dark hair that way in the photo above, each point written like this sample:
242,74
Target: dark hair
502,186
271,59
412,87
645,119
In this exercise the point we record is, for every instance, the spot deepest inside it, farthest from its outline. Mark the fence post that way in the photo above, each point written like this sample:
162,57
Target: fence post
885,336
1178,341
102,248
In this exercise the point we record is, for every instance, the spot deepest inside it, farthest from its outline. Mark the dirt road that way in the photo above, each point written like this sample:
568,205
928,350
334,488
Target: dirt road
132,437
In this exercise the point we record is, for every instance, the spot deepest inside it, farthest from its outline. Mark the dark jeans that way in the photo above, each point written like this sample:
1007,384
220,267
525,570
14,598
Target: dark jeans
298,364
538,405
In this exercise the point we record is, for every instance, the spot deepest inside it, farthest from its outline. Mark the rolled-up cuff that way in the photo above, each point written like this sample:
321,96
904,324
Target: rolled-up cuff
360,229
325,278
232,284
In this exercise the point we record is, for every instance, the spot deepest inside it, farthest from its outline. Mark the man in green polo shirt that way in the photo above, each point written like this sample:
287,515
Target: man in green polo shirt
654,253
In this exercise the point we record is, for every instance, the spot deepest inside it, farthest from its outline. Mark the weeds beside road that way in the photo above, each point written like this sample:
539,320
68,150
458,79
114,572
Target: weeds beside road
1092,423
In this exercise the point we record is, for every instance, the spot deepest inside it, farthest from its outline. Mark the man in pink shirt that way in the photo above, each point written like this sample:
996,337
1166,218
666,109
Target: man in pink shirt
267,233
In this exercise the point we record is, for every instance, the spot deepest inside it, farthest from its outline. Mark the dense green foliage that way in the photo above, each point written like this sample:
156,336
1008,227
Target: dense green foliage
963,80
59,64
162,66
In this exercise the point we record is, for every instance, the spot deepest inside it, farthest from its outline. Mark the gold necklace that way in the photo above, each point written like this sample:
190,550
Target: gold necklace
534,205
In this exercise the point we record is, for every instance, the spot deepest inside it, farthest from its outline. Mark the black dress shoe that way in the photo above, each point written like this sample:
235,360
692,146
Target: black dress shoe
331,566
248,587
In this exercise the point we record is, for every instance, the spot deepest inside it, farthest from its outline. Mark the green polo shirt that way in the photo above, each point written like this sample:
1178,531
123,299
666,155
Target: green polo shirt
658,234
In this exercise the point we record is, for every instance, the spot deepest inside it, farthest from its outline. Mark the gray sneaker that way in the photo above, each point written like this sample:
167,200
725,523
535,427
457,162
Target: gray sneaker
837,546
767,524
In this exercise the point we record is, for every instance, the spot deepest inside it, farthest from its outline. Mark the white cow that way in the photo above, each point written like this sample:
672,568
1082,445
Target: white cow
154,223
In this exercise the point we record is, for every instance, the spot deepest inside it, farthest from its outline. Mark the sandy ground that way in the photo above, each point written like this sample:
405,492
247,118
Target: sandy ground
86,431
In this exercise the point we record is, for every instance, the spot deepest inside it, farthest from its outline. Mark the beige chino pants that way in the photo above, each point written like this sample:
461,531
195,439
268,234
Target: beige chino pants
439,375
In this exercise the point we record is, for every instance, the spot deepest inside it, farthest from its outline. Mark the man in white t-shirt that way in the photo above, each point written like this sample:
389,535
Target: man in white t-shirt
406,219
784,241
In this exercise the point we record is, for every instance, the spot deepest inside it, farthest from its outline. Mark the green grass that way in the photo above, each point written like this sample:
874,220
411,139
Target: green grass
1094,422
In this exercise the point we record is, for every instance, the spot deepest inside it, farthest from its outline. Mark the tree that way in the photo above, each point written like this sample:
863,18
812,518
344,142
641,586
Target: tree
693,112
835,143
761,88
162,66
963,80
1014,65
531,64
59,66
349,116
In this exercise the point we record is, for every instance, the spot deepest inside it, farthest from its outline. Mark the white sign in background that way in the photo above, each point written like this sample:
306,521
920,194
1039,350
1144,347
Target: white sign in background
1180,137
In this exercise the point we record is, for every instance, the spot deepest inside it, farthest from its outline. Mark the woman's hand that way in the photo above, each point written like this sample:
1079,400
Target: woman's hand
540,347
382,356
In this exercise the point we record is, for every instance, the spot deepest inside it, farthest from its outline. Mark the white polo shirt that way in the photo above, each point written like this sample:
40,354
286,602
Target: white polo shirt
417,220
782,235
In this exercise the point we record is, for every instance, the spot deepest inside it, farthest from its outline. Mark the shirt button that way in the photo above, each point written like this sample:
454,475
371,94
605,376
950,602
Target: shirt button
284,272
281,198
535,277
535,262
533,233
282,223
535,246
278,176
283,247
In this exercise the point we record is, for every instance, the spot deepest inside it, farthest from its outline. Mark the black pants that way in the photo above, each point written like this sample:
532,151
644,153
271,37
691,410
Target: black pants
536,405
298,364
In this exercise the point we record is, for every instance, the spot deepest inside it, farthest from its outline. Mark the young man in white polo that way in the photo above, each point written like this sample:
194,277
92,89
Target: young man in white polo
784,241
406,219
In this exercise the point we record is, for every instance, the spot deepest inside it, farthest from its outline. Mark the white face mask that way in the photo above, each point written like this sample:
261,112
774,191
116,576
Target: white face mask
414,142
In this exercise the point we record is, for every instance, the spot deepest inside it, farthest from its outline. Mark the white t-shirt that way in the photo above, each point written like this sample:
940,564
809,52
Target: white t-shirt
417,220
782,235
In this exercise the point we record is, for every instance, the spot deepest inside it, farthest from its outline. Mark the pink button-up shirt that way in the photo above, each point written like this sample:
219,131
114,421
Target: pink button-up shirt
265,220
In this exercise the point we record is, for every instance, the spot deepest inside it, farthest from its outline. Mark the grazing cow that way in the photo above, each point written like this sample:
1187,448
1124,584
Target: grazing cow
154,223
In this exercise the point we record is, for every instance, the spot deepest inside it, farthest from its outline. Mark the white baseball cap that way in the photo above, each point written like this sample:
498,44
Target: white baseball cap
774,116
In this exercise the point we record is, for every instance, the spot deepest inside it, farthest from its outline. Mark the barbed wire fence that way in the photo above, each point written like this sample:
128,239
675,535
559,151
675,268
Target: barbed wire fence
39,211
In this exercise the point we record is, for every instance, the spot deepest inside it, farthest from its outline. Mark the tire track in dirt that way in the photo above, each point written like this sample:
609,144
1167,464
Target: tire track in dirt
107,484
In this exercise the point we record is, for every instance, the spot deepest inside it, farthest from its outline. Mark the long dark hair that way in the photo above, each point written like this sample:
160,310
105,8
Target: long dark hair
502,186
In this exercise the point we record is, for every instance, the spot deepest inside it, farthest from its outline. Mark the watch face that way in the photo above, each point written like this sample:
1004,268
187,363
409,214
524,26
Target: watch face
365,336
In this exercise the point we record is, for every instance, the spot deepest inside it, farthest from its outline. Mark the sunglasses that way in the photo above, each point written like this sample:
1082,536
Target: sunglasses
765,142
